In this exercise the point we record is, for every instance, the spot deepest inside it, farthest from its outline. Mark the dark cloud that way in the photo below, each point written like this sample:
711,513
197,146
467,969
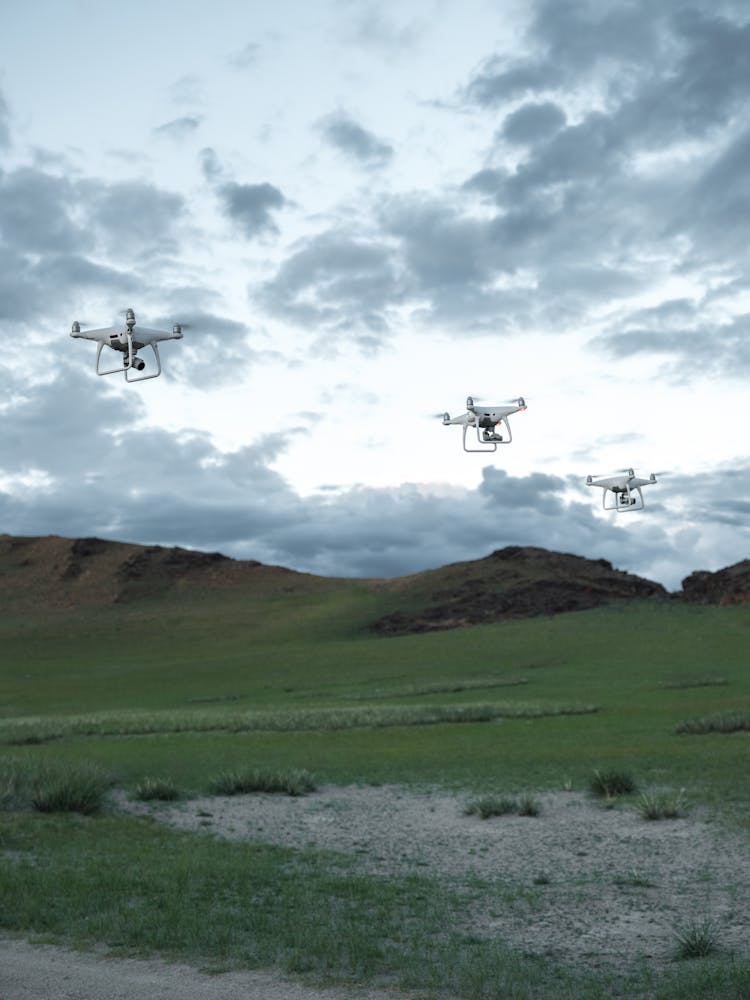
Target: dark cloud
179,128
214,350
354,141
532,122
36,212
250,206
134,219
338,283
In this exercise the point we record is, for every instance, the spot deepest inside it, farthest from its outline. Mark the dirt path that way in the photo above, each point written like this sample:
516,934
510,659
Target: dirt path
47,972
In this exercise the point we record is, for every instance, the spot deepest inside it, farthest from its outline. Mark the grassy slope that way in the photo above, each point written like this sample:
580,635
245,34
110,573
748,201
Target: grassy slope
228,652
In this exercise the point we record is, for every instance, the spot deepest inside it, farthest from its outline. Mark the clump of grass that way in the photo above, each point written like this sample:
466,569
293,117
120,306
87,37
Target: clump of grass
69,788
719,722
528,806
295,781
151,789
633,879
697,939
662,805
608,783
52,787
486,806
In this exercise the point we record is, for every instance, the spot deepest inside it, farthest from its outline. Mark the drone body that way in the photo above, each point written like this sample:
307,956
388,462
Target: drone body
127,342
485,419
625,488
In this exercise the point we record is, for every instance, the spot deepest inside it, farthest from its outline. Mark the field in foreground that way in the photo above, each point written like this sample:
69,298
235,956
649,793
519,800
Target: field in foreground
190,687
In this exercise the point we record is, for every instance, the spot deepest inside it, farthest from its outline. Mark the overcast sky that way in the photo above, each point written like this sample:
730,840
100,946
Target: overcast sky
366,211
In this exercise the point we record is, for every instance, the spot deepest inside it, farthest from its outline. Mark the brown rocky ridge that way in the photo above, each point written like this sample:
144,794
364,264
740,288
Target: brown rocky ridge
730,585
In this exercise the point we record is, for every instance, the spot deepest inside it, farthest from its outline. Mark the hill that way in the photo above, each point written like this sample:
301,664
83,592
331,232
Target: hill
71,572
513,582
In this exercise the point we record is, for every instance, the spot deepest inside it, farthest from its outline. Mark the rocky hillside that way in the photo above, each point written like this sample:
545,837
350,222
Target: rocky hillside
730,585
68,572
514,582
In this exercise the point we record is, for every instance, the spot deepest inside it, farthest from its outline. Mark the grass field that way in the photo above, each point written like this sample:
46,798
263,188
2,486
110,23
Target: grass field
191,685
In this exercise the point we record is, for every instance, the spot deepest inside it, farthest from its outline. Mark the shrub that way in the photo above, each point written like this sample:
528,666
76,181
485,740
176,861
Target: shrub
151,789
528,806
609,783
698,939
292,782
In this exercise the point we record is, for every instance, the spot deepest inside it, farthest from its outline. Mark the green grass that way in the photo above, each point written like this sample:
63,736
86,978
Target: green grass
156,790
242,781
718,722
609,782
698,939
195,685
52,786
662,805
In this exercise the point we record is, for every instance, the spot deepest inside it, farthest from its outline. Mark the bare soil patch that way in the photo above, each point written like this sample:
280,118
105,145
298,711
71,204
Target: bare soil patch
579,882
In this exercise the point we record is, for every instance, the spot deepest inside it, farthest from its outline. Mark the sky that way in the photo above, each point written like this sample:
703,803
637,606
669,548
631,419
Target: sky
364,212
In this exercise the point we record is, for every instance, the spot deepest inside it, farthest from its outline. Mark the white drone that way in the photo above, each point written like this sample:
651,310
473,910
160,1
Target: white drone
128,343
625,488
486,419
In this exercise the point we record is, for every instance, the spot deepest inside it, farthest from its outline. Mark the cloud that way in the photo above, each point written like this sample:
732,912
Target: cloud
245,57
106,472
532,122
4,123
355,142
337,282
179,128
250,206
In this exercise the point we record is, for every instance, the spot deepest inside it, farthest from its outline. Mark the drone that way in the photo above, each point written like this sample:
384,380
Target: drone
486,419
625,488
127,342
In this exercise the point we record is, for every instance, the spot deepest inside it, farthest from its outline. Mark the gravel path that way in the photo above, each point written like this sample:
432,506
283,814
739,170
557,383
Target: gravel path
47,972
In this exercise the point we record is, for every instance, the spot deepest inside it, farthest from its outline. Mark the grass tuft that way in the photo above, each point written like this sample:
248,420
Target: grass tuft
662,805
608,783
697,939
53,786
486,806
719,722
152,789
241,782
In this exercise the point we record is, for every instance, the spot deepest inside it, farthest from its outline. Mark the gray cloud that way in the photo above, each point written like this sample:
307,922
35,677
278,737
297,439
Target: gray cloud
245,57
250,206
4,123
354,141
179,128
336,282
532,122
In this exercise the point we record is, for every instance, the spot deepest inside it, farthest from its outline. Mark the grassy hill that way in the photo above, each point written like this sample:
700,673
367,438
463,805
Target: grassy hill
156,662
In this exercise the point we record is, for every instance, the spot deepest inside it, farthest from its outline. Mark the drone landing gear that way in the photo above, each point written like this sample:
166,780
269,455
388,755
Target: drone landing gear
623,500
489,436
130,363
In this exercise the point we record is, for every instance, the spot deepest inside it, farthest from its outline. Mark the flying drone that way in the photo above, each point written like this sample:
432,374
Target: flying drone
485,419
625,488
127,342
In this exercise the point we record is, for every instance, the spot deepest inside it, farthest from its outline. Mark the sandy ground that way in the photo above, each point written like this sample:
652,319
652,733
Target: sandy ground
580,883
47,972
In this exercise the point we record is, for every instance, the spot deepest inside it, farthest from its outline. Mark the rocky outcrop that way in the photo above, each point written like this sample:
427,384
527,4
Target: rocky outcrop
515,582
730,585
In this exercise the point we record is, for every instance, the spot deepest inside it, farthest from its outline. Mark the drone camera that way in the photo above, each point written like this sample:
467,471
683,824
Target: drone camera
139,364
